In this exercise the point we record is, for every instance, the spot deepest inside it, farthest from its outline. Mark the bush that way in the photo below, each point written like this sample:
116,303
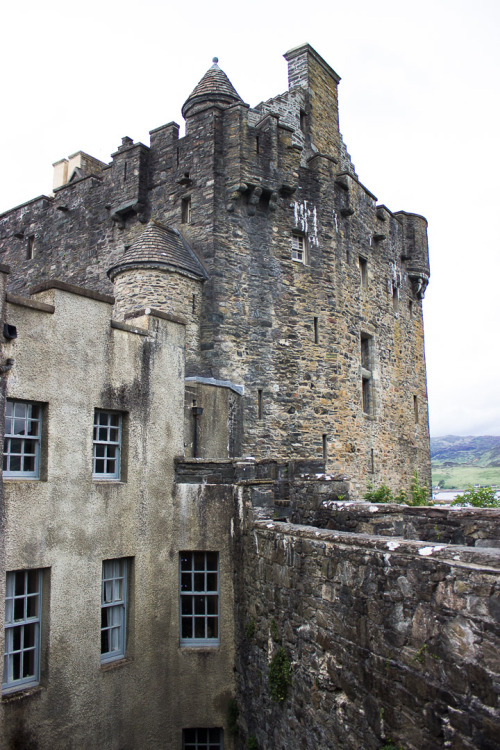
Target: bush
382,495
280,677
478,497
419,495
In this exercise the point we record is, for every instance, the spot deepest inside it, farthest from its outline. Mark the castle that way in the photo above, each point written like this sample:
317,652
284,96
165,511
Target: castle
208,344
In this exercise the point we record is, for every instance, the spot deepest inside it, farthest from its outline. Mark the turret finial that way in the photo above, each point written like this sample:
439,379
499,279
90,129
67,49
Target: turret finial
215,59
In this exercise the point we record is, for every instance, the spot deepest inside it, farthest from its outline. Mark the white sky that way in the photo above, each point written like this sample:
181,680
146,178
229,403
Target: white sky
419,112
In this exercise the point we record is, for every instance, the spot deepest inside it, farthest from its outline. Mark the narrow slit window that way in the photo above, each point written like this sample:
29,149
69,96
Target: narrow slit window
325,446
415,408
303,121
259,404
372,461
186,211
366,344
395,299
30,247
125,172
316,330
363,271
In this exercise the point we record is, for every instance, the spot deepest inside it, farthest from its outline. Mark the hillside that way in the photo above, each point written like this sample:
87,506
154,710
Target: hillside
458,450
458,461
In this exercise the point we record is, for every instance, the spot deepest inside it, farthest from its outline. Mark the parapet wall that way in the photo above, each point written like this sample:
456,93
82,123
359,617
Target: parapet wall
317,503
387,639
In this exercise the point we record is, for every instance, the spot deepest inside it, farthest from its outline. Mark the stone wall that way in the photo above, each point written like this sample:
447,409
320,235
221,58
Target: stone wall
386,640
321,504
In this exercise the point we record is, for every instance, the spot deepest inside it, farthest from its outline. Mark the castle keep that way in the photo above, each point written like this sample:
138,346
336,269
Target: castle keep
297,289
211,345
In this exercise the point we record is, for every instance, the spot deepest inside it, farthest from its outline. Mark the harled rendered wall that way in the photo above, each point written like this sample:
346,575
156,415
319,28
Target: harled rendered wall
69,357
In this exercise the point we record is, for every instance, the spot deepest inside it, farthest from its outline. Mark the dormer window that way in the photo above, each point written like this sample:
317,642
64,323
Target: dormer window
298,248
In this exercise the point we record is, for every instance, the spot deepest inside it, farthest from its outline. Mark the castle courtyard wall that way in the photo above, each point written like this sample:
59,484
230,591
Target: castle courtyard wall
386,640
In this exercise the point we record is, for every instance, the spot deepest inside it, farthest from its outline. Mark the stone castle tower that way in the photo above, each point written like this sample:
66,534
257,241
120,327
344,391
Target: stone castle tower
191,334
301,294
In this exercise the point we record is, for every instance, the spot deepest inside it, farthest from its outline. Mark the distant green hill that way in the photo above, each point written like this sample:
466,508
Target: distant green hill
458,461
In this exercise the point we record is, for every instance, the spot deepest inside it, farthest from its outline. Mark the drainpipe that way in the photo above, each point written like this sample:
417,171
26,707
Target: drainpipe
197,412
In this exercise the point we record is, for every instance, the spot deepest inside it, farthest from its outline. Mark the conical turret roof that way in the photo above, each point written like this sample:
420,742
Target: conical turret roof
215,86
160,246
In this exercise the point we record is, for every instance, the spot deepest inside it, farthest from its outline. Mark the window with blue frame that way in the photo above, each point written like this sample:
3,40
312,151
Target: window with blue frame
114,591
199,594
23,613
22,440
202,739
107,444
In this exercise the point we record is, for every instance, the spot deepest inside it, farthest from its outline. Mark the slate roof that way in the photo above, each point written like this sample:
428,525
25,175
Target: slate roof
160,246
215,86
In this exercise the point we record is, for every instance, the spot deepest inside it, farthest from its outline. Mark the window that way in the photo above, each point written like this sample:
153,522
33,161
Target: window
298,248
303,120
113,609
260,409
316,330
23,425
199,574
23,609
202,739
366,373
395,299
30,247
415,408
107,444
363,270
186,211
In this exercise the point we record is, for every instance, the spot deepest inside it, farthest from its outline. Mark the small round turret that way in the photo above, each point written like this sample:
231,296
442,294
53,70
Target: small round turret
214,88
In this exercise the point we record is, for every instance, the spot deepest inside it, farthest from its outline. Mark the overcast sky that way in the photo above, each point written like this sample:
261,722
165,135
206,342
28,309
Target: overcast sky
419,112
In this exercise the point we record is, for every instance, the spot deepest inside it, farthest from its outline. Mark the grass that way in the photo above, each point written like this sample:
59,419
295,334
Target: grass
459,477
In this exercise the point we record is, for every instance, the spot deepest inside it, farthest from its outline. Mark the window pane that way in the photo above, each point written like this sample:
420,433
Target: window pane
199,582
212,558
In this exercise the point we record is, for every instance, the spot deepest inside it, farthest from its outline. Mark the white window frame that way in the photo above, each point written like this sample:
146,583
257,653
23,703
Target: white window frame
199,598
298,248
23,616
107,444
114,590
198,738
23,438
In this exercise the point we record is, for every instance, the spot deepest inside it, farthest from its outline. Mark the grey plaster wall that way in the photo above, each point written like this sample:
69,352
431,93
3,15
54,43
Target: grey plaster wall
73,360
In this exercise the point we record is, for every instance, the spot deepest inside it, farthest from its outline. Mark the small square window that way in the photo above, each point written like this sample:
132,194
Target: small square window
113,609
23,615
202,739
23,431
199,594
107,444
299,248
